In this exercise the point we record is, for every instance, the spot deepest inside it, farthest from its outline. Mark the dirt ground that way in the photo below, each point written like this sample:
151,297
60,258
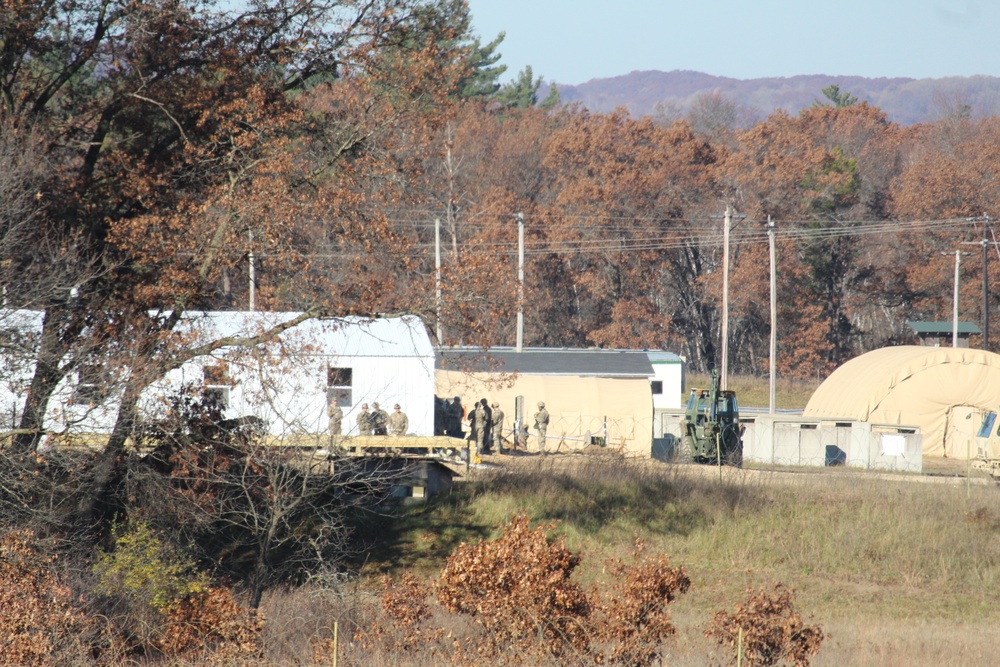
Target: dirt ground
936,470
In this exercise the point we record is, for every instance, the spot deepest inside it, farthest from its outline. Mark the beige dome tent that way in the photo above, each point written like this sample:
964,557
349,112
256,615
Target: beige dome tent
943,390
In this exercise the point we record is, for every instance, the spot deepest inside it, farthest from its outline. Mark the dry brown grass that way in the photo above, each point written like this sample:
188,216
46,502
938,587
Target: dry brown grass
754,391
872,558
894,572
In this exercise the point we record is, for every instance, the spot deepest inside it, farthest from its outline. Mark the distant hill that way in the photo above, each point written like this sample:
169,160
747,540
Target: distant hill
906,101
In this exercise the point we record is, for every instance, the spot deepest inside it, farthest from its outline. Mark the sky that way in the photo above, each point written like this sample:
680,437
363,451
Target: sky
573,41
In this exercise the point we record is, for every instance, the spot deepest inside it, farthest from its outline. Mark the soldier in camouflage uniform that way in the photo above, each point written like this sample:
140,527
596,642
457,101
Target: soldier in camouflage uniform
364,421
380,420
479,420
541,424
497,428
488,427
398,422
454,416
522,437
336,416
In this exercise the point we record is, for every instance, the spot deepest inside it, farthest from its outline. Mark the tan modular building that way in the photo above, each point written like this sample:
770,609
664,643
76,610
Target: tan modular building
945,391
592,395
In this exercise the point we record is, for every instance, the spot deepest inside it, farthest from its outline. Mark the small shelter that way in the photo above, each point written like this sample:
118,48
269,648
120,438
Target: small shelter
939,334
412,480
943,390
591,395
668,380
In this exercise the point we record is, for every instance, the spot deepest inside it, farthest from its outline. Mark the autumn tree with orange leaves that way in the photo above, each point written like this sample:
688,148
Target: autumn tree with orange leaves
950,174
622,192
819,172
181,135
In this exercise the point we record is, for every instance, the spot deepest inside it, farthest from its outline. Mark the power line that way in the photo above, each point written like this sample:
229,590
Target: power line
673,239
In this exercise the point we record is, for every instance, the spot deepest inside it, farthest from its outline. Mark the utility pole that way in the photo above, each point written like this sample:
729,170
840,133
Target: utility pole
986,296
520,281
954,312
253,273
725,297
954,309
437,278
772,389
986,282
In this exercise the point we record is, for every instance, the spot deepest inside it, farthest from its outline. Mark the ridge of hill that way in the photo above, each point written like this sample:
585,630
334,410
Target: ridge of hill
906,101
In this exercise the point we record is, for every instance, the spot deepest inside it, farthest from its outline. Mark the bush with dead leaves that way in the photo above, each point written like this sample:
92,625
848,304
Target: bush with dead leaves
766,629
40,623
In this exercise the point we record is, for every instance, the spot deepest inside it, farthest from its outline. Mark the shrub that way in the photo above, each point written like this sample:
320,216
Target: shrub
518,589
766,629
145,570
213,623
635,620
157,599
39,624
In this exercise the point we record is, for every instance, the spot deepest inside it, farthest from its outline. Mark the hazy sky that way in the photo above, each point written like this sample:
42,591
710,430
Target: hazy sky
573,41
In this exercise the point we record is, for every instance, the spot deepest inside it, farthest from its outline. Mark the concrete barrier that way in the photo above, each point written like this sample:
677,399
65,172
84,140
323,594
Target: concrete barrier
794,440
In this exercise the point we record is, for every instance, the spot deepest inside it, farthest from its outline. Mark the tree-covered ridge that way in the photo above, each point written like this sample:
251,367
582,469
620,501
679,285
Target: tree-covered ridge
907,101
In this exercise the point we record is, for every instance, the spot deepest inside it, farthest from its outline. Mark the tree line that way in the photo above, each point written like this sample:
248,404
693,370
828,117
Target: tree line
150,151
624,221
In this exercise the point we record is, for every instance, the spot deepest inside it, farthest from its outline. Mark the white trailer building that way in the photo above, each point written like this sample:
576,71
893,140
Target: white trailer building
286,382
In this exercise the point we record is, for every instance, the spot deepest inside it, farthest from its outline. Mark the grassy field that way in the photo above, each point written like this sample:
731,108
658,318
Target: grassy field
754,391
896,570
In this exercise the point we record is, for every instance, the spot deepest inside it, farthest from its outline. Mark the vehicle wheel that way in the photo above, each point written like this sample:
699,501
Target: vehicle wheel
682,453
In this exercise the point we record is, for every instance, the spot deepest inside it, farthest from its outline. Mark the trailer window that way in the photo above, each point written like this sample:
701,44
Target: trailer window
91,387
217,384
340,386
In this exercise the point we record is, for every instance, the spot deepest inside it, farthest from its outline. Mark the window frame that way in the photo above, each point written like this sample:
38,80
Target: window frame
91,384
340,385
217,380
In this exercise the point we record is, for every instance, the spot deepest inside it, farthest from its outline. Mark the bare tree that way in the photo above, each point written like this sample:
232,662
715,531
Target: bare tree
258,511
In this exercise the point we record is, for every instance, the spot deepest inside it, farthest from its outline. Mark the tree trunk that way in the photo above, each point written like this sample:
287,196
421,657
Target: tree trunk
48,372
95,503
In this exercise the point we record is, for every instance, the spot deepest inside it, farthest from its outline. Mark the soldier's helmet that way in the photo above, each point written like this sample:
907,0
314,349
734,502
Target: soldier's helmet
541,404
364,406
458,398
495,404
375,405
396,407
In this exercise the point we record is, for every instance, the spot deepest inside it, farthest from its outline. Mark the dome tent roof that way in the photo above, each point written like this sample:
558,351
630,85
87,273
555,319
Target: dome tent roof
914,385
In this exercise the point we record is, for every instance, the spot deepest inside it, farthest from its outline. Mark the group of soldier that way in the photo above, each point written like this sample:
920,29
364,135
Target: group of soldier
486,427
485,423
374,422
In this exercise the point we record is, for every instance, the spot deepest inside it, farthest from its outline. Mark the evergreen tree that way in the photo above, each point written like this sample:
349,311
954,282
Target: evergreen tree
522,92
838,99
552,99
484,71
448,24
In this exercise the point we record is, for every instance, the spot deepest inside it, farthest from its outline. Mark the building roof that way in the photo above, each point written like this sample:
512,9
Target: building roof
942,328
21,320
663,357
343,336
547,361
352,336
